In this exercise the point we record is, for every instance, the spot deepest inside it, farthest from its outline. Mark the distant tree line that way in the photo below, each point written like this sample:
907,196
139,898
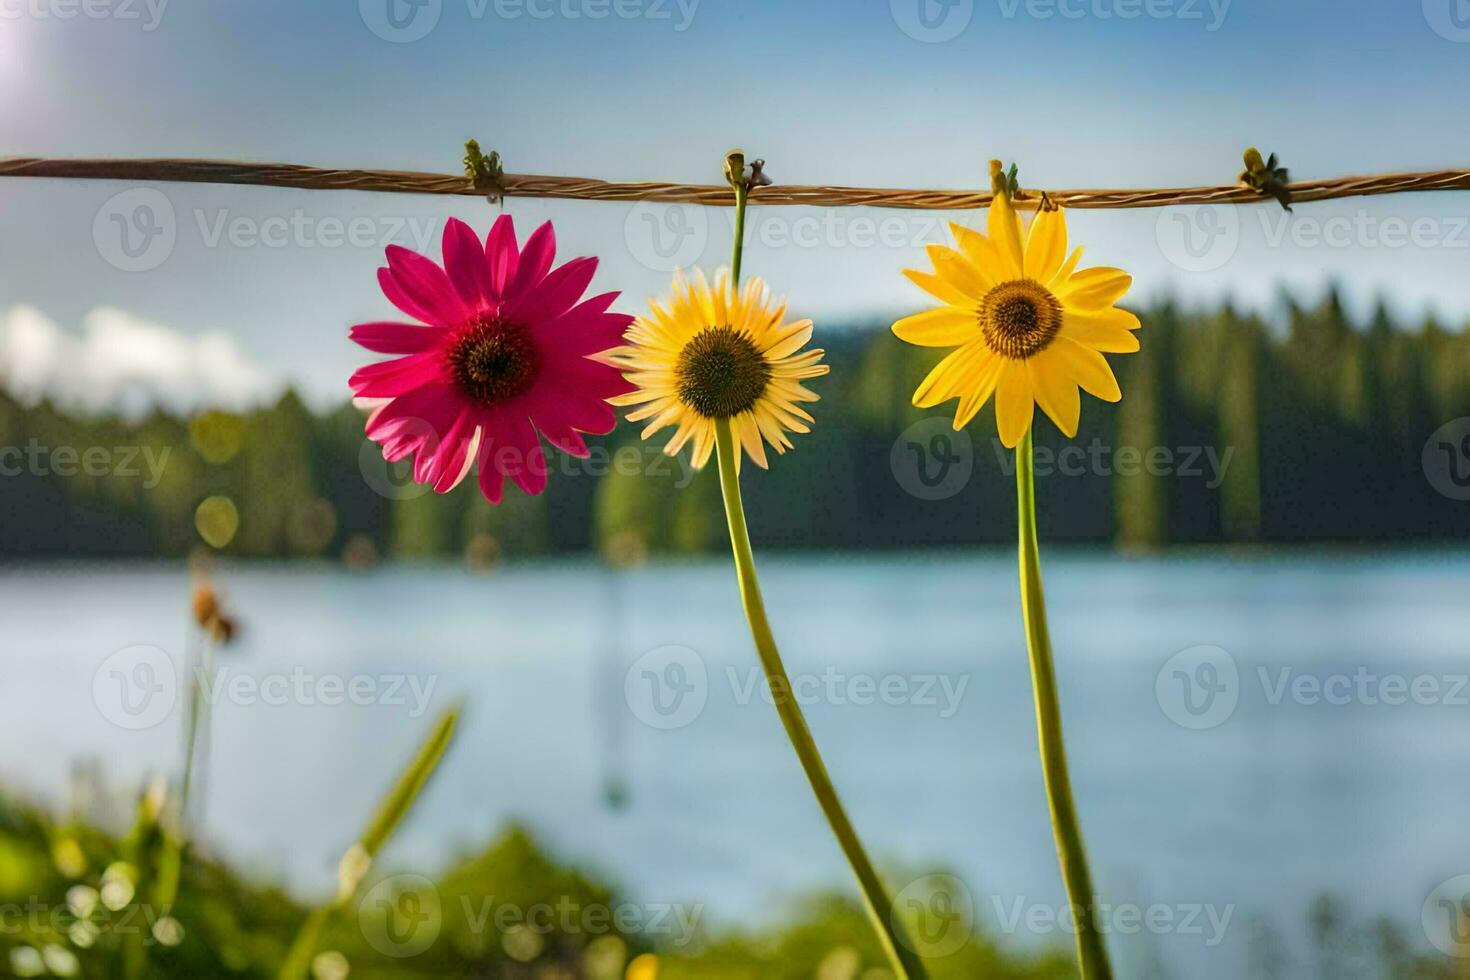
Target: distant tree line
1229,431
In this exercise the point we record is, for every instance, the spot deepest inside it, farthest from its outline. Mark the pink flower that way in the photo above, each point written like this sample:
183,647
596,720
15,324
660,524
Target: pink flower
505,354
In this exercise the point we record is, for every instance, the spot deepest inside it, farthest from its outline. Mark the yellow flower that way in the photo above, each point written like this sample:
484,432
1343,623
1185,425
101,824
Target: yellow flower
710,353
1029,327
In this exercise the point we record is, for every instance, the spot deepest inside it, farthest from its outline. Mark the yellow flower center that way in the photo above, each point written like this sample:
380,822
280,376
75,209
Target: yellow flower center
721,373
493,360
1019,318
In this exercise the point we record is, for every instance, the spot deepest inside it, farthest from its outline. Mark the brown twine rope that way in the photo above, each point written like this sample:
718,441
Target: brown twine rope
588,189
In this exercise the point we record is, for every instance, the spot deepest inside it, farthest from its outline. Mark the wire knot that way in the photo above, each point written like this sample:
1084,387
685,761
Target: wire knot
1265,177
484,172
742,176
1004,181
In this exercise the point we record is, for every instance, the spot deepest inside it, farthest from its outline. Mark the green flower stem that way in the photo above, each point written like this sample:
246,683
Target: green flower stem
175,829
896,944
1092,954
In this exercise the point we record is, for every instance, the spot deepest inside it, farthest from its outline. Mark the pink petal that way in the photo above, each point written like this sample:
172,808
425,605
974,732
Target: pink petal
501,256
536,259
401,299
426,411
491,479
555,294
389,379
387,337
464,260
427,285
528,463
442,464
556,419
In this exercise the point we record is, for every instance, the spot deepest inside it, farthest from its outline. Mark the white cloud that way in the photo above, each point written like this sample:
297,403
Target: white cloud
122,363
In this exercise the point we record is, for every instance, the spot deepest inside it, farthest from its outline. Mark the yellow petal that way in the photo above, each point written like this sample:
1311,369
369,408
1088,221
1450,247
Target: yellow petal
1014,403
1005,234
958,271
981,252
1046,245
1065,272
1089,368
1100,331
979,384
937,287
1093,289
947,326
939,384
1056,392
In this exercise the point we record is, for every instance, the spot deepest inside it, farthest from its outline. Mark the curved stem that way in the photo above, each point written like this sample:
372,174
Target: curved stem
1092,954
896,944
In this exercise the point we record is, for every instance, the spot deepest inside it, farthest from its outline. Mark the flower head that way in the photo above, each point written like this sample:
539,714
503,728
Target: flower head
710,353
1027,324
503,357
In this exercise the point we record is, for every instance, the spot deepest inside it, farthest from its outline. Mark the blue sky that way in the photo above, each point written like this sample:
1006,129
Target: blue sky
1100,93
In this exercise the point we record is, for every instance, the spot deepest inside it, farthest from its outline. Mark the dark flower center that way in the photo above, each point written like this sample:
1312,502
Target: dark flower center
721,373
493,360
1020,318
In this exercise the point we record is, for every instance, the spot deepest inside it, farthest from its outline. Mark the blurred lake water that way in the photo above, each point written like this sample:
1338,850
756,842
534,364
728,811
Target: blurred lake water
914,670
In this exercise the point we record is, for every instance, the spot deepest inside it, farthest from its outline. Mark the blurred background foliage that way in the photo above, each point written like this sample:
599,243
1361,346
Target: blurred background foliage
73,904
1324,422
